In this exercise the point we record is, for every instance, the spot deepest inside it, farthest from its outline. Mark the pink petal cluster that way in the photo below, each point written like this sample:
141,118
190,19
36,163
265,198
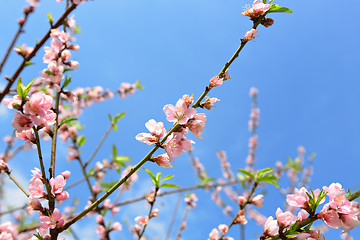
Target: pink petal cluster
156,130
23,50
36,185
57,184
217,80
209,103
180,113
3,166
300,198
285,219
340,212
51,221
316,235
142,220
249,35
162,160
36,111
271,227
259,8
191,200
126,89
8,231
176,143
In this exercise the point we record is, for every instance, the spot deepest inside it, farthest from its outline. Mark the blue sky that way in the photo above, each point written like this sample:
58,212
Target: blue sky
306,67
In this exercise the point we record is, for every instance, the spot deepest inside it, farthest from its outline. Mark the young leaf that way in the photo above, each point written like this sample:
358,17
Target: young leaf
169,185
28,63
119,116
264,172
158,175
114,151
67,120
167,178
27,88
150,174
277,8
247,173
19,89
38,236
66,82
138,85
81,140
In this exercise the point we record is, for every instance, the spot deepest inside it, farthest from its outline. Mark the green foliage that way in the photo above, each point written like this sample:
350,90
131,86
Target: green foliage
81,140
23,91
67,120
28,63
277,8
262,175
66,82
114,120
157,180
138,85
119,160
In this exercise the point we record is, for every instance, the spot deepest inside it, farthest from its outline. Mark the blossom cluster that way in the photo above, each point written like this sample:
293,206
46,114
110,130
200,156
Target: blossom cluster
259,8
337,213
187,119
35,111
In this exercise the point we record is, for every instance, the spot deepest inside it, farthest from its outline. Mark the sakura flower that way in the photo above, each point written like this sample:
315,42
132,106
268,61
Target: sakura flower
249,35
223,228
214,235
116,226
156,129
209,103
163,160
13,103
197,124
285,219
27,135
179,113
215,81
23,50
21,122
188,99
271,227
175,144
52,221
142,220
259,8
36,188
258,200
57,184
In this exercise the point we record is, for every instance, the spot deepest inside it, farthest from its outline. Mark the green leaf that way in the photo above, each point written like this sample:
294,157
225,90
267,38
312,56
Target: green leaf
67,120
119,116
169,185
264,1
246,173
91,172
150,174
68,69
271,1
81,140
264,172
115,127
27,88
49,18
28,63
114,151
167,178
277,8
66,82
49,73
158,175
111,118
19,89
77,30
38,236
138,85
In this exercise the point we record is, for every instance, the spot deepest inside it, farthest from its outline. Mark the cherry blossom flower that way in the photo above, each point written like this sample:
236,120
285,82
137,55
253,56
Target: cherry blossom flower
271,227
179,113
249,35
175,144
285,219
52,221
142,220
209,103
197,124
162,160
156,129
259,8
23,50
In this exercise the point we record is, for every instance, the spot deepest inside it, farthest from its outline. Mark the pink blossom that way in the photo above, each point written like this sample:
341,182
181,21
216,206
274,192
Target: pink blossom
126,89
66,174
214,235
302,215
38,105
3,166
116,226
196,124
285,219
258,200
331,217
27,135
179,113
316,235
209,103
142,220
215,81
13,103
21,122
34,203
156,129
223,228
249,35
52,221
188,99
258,9
162,160
155,213
253,92
101,231
57,184
23,50
175,144
271,227
36,188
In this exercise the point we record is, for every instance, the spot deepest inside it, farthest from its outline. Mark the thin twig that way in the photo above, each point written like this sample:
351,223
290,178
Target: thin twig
173,217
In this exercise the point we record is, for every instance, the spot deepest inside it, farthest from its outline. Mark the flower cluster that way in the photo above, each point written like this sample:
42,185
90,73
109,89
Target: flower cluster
219,80
249,35
35,111
337,213
259,8
187,119
23,50
215,233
